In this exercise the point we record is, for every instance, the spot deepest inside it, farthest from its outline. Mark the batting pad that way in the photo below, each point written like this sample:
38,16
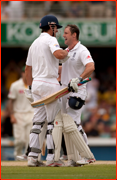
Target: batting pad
80,145
76,155
83,134
77,139
72,152
69,146
57,135
42,138
68,124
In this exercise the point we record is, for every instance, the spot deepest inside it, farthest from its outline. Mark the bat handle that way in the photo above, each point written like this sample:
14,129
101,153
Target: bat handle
84,81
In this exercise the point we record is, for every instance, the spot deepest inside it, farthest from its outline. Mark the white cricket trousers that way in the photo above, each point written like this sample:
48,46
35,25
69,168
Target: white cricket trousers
42,87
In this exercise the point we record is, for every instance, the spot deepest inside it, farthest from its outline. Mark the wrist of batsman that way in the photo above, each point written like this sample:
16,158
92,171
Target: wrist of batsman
29,87
80,78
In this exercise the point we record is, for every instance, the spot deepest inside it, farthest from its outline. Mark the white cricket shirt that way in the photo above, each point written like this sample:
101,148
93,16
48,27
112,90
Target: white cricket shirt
75,65
16,92
41,58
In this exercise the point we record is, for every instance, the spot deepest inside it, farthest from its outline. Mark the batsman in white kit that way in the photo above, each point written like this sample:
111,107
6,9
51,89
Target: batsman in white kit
79,66
41,72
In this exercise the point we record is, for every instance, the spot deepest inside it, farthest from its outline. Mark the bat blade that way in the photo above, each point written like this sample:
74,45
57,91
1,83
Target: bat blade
55,96
50,98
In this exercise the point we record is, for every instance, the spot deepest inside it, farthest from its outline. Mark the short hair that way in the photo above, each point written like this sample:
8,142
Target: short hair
74,29
45,29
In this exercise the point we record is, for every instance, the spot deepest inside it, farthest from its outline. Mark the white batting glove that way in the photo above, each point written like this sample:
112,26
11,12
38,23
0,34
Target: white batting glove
28,95
66,58
72,86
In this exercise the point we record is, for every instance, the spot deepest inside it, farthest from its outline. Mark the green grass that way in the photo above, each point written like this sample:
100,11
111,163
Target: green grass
85,172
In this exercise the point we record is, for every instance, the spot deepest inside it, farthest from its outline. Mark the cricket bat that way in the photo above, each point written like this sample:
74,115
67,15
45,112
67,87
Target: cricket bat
55,96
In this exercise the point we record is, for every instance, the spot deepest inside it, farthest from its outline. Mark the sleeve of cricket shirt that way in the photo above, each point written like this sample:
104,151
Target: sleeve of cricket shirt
53,44
12,92
86,57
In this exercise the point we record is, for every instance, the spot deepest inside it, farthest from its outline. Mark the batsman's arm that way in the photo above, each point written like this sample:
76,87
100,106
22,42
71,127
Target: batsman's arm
60,54
89,68
59,74
28,73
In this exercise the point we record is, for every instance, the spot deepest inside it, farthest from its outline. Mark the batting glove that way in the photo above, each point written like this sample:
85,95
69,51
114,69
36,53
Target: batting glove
28,95
73,84
66,58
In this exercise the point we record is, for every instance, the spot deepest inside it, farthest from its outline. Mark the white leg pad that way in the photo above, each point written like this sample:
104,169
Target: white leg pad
68,123
57,135
42,138
76,155
84,134
72,152
80,144
69,146
76,137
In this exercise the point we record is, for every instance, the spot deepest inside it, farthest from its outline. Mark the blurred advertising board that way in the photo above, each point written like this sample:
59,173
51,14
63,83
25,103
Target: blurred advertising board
92,32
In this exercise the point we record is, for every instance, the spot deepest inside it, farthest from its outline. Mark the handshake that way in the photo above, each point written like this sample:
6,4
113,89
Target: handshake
73,84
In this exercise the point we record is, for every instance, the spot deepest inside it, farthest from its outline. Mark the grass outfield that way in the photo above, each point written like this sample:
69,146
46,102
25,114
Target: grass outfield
91,171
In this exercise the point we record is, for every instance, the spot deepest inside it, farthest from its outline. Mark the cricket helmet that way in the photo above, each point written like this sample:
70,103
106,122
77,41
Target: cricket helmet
75,102
47,20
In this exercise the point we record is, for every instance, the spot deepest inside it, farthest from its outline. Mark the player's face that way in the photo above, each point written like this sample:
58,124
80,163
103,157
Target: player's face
55,30
68,36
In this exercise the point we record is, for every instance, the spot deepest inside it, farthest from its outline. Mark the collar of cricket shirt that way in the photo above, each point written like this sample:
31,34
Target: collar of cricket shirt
76,46
44,33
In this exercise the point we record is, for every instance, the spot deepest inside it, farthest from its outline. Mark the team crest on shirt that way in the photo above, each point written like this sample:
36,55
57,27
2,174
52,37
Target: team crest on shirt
74,54
73,57
56,45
